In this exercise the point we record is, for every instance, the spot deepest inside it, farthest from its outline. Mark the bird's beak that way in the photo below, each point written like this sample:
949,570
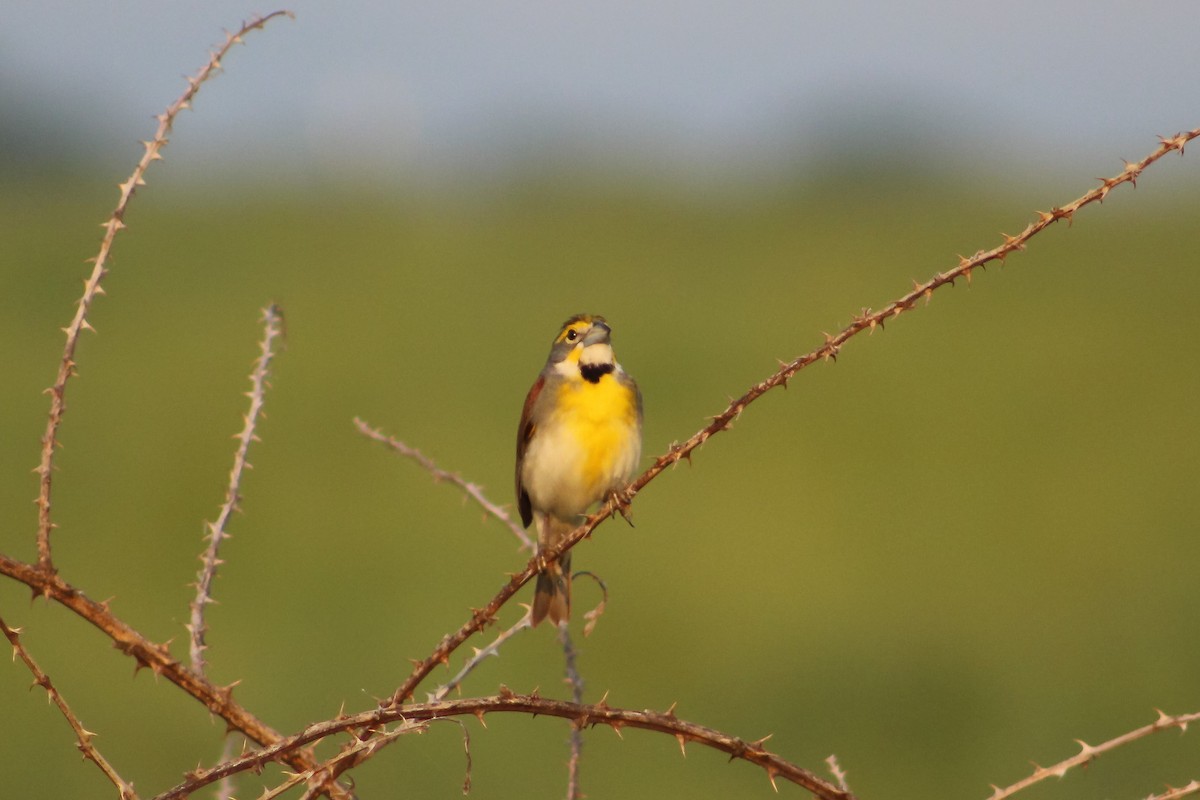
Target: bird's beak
597,334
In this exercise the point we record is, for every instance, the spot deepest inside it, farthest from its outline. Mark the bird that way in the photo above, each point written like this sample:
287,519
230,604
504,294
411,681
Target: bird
579,442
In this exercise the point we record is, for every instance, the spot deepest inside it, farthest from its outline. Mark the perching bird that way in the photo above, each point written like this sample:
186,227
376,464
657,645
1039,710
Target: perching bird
580,441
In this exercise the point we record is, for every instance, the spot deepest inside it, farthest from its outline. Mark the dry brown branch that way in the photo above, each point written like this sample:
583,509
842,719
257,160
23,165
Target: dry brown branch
225,787
350,756
477,658
364,747
472,490
368,730
1175,793
839,774
575,681
272,319
1088,752
82,735
572,678
156,657
92,287
867,320
506,701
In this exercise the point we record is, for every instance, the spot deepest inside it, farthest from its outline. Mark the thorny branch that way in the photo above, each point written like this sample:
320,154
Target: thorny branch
573,678
82,735
363,724
272,328
1088,752
867,320
575,681
224,787
350,756
360,748
839,774
355,752
157,657
1193,787
472,490
477,658
92,288
367,726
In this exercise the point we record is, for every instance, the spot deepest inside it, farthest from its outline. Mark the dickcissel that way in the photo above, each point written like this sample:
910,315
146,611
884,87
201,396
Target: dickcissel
580,441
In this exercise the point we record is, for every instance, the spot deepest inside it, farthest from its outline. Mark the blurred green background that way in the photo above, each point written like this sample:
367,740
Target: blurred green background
968,542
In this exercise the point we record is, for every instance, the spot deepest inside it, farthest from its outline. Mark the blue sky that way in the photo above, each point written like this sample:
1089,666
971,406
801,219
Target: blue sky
379,85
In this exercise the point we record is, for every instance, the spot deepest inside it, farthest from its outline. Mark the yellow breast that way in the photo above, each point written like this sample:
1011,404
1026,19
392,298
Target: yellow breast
602,418
589,445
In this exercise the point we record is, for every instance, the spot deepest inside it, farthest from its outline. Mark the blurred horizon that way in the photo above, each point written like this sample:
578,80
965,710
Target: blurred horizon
380,92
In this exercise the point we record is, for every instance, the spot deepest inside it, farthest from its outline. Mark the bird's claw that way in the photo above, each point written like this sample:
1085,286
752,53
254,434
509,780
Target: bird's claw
622,500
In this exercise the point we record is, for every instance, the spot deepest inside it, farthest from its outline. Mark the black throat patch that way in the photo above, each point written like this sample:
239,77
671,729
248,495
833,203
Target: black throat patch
592,373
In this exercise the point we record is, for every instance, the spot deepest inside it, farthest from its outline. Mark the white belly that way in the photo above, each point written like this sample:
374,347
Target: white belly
556,471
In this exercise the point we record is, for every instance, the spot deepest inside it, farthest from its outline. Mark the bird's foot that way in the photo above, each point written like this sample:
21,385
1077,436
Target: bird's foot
622,500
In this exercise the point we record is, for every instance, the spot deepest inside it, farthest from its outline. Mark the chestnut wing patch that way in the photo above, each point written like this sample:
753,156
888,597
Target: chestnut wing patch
524,433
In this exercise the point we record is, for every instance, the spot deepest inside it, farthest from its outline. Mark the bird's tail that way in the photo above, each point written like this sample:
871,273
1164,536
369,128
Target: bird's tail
552,596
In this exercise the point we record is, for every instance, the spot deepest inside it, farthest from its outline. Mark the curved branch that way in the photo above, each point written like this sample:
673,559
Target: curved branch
867,320
92,288
157,657
581,715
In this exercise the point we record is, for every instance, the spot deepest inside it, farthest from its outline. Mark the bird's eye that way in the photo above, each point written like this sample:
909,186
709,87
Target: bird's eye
572,335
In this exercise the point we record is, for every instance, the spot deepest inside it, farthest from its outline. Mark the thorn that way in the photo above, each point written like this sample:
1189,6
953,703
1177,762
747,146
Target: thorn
771,773
1131,173
679,737
1179,141
1013,242
831,349
757,744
